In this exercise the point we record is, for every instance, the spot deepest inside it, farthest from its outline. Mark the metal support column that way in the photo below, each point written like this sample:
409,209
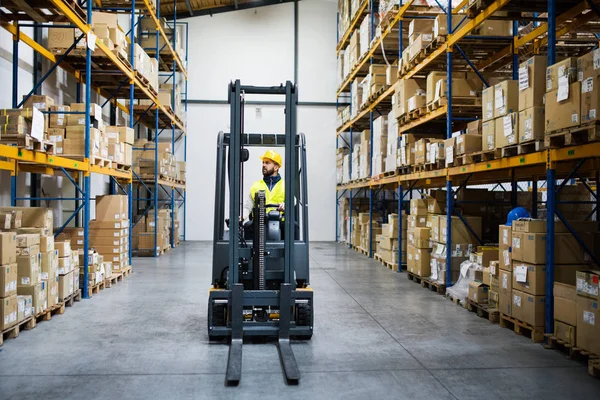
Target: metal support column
400,227
86,176
550,210
449,193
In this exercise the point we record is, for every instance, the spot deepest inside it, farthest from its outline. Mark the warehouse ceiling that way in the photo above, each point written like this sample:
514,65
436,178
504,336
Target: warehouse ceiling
192,8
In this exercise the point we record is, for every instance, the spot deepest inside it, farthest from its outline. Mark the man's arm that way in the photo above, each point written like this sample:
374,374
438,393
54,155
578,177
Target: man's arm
248,207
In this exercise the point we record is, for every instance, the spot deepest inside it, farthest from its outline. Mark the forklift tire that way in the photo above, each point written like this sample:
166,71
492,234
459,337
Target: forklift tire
303,313
219,318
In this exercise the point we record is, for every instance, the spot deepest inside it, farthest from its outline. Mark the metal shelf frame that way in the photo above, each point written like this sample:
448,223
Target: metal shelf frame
554,166
85,68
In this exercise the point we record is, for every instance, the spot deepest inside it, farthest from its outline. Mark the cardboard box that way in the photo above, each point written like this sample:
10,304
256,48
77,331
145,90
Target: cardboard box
52,292
38,295
566,113
28,269
506,98
49,265
63,248
565,332
418,207
415,221
46,243
531,124
65,265
8,280
26,251
565,303
474,127
529,225
507,130
440,24
478,292
588,324
565,68
8,312
42,103
487,99
111,208
24,308
109,225
532,82
460,233
531,247
123,134
65,286
587,283
8,248
505,237
405,89
586,68
33,217
468,143
505,292
488,135
419,238
590,99
422,259
533,309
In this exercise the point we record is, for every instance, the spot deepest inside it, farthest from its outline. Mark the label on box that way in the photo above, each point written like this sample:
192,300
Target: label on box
528,129
589,317
508,126
517,300
505,237
37,125
505,281
596,55
506,257
490,142
490,110
44,276
498,97
520,273
516,243
25,280
523,78
548,84
592,114
493,269
587,85
563,88
575,118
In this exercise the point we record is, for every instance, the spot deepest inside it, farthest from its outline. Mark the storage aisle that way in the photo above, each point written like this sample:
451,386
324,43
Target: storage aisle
377,335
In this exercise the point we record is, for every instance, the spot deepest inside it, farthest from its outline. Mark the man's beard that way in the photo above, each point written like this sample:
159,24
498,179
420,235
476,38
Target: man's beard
267,172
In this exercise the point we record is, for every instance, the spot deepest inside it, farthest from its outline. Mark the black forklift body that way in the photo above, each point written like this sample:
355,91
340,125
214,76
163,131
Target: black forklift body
261,286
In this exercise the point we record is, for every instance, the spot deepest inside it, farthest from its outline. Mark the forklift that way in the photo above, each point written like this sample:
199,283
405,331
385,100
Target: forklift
260,271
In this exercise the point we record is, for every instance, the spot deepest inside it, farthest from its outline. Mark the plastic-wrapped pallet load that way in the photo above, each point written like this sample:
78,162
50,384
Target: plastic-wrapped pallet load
460,290
379,138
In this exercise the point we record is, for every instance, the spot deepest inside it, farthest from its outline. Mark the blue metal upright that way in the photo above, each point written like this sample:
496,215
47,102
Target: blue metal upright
449,193
400,227
131,124
86,176
371,37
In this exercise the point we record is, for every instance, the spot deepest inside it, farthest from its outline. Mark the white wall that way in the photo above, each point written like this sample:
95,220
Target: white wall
257,47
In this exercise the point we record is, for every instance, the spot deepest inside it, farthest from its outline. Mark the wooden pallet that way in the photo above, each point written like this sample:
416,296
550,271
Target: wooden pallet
439,288
413,277
579,135
530,147
113,279
46,315
95,289
26,141
13,332
455,300
484,311
574,352
122,57
122,167
415,114
126,271
94,160
394,267
74,297
535,333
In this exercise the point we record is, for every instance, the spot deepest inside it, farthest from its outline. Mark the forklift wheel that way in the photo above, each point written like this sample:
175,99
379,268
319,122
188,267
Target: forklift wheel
303,318
219,318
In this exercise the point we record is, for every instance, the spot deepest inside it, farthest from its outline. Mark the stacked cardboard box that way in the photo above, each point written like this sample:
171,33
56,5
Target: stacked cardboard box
29,274
479,287
418,259
364,150
96,271
144,233
563,96
565,312
362,231
387,241
379,137
171,96
120,141
21,124
404,90
463,85
365,36
109,233
144,161
532,87
8,280
500,115
341,152
588,297
391,154
528,264
148,35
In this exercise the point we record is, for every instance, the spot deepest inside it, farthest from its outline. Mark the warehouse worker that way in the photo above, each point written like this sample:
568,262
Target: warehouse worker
271,183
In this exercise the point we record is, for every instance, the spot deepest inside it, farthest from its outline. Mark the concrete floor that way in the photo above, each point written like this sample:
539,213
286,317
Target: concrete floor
377,335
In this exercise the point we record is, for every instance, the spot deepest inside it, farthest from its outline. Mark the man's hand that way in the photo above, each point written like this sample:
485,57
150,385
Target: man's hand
281,207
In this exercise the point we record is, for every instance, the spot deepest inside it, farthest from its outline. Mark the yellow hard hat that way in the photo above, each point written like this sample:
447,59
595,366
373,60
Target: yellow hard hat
273,156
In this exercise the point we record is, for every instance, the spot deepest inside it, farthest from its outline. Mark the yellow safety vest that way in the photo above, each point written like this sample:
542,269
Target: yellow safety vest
273,196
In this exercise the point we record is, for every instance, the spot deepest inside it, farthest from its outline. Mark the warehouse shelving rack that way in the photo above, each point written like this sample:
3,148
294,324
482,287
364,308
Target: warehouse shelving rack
97,66
553,167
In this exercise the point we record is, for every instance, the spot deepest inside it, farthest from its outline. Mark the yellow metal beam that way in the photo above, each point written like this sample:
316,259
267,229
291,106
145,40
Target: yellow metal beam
41,158
350,29
96,169
159,28
462,5
575,152
7,166
427,118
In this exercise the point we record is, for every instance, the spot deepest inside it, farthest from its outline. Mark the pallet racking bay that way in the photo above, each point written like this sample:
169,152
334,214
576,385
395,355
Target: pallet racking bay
112,77
552,166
